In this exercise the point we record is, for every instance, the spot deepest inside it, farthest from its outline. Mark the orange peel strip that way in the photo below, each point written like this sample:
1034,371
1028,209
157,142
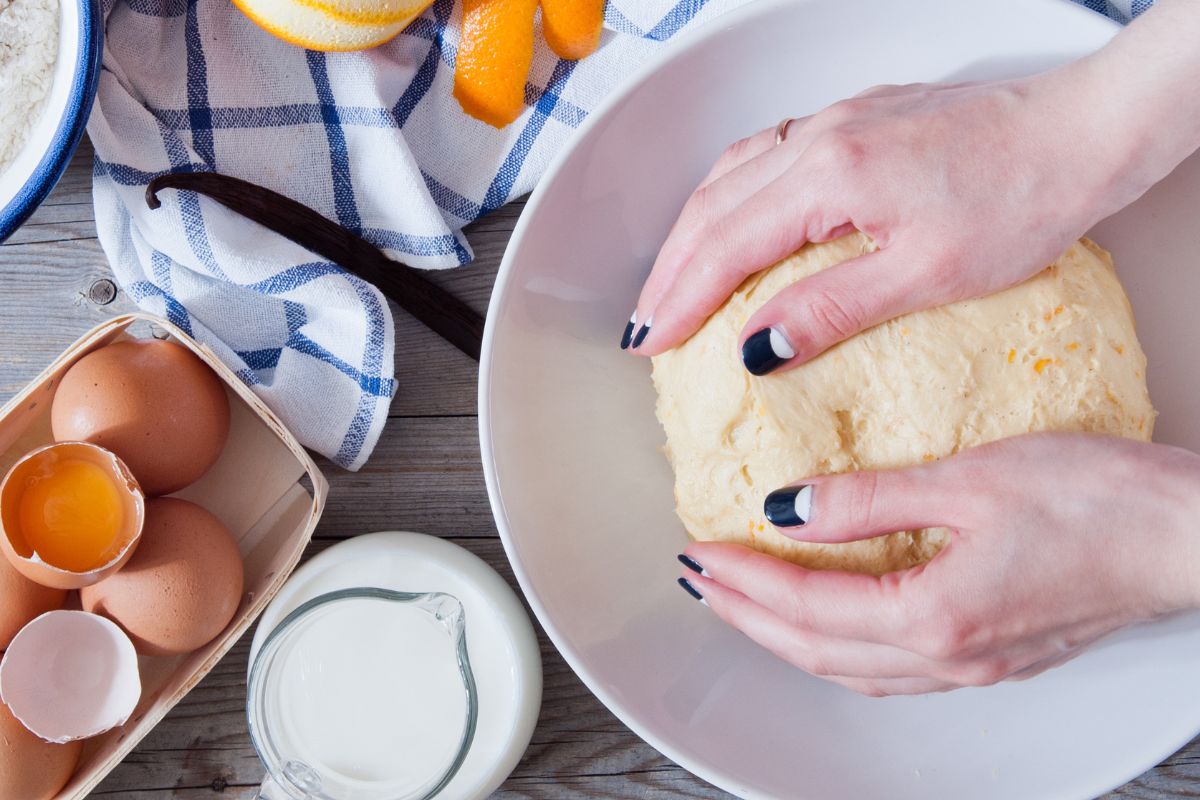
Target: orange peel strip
572,27
494,56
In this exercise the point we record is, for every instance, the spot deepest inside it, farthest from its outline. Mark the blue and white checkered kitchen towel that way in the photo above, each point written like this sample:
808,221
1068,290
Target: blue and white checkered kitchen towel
373,140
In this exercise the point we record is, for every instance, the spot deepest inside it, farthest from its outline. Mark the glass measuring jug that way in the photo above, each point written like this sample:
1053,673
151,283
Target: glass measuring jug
363,694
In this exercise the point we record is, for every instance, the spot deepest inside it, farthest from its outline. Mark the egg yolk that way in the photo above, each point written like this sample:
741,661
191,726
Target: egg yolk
72,515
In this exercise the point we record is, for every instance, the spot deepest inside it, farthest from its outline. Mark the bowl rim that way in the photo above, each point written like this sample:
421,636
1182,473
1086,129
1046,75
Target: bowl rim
67,135
685,42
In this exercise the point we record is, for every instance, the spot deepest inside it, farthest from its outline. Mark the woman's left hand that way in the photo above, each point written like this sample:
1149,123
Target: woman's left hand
1057,540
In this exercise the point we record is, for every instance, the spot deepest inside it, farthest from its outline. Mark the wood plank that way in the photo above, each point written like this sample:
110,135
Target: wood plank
432,376
75,186
425,476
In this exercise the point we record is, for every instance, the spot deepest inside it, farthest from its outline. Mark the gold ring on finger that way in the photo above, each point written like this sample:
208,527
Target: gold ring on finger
781,129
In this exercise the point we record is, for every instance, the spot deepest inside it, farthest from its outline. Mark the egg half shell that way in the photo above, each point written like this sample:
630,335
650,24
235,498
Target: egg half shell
24,558
70,675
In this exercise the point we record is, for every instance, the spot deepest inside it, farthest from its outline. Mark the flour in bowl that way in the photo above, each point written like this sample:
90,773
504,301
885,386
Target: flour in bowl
28,50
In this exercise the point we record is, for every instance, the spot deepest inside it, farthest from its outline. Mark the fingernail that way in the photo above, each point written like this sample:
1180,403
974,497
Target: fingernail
642,332
687,587
790,507
628,335
692,564
766,350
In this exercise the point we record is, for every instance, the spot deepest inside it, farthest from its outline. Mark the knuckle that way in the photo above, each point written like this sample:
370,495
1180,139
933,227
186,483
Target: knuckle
982,672
877,90
840,112
868,689
943,268
941,264
839,150
701,204
992,671
989,505
945,639
690,224
939,644
795,612
832,317
735,153
814,664
860,503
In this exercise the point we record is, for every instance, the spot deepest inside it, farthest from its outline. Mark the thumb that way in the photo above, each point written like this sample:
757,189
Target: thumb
862,505
812,315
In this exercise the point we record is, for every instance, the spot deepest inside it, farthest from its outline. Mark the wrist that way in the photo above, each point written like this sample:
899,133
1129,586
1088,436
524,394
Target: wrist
1134,108
1179,556
1191,532
1070,171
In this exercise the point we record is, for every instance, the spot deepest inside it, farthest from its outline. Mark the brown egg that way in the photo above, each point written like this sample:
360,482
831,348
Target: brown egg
182,586
153,403
21,600
31,769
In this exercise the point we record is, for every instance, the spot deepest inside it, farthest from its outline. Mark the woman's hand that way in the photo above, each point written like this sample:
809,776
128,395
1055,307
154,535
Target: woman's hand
966,189
1057,540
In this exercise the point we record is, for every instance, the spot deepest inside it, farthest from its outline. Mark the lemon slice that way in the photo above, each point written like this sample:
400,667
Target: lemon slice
371,12
333,25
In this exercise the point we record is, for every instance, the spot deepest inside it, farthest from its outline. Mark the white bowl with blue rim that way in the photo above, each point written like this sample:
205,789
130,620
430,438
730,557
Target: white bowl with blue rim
583,497
28,179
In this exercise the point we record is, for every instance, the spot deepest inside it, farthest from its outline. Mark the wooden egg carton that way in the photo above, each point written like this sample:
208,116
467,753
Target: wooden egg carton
264,487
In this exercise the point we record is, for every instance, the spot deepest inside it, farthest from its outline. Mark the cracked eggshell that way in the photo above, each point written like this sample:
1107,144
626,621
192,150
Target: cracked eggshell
70,675
18,551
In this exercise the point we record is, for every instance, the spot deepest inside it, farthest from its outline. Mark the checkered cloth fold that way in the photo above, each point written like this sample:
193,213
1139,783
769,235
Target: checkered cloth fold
373,140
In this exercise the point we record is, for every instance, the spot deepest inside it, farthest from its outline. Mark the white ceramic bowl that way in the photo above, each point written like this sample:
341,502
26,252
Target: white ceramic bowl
26,181
583,498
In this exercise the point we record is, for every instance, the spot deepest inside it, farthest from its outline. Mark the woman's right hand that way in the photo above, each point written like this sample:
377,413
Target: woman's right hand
966,189
1056,540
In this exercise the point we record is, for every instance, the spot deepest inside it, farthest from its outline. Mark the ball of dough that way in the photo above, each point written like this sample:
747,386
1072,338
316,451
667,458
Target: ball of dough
1055,353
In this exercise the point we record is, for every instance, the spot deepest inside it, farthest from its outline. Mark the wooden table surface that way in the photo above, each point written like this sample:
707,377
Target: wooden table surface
425,475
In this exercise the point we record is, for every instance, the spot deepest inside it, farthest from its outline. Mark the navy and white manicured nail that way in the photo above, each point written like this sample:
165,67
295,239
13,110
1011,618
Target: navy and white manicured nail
627,337
642,333
692,564
790,507
687,587
766,350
